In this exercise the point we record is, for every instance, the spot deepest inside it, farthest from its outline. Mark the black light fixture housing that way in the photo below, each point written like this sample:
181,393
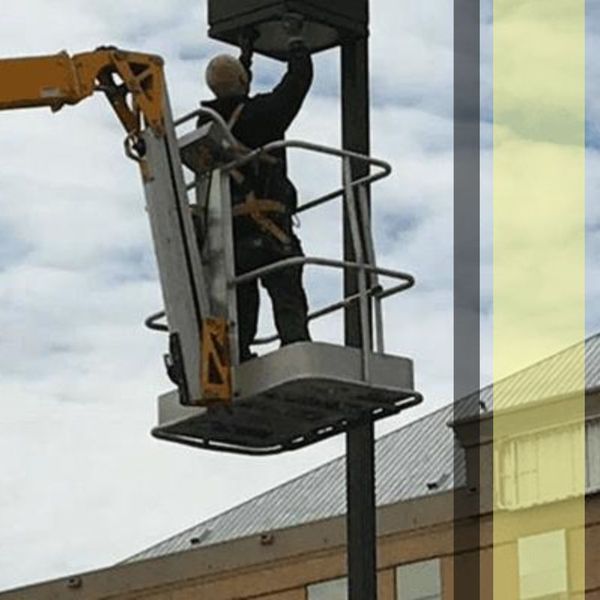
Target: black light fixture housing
328,23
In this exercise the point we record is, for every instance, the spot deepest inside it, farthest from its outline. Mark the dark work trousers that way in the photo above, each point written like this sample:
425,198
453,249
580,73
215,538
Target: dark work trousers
290,307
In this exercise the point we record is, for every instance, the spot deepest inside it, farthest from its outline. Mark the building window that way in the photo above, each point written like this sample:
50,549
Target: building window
543,567
419,581
592,449
548,465
336,589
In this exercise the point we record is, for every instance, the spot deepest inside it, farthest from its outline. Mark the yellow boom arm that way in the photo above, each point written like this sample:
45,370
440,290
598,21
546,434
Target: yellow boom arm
133,83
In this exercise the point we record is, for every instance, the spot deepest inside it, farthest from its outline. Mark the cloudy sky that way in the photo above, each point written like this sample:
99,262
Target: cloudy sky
82,483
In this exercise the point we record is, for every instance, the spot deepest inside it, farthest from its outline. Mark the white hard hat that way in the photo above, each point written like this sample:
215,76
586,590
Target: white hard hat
226,76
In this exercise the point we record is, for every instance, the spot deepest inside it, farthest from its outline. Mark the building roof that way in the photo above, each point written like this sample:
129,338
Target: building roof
556,375
414,461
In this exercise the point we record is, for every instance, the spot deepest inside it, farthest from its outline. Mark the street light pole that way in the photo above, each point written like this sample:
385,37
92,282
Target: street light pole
360,453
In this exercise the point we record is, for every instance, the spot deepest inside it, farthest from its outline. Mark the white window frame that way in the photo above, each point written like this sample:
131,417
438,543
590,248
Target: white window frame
543,540
506,484
323,584
438,569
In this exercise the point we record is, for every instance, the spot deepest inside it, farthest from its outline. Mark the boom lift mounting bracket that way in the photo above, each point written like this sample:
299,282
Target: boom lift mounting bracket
57,80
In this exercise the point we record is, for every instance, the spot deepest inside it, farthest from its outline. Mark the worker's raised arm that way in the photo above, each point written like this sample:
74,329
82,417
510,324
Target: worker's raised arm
247,39
283,104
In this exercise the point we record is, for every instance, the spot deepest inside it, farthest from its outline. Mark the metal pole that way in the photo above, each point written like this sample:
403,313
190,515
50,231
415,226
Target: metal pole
360,454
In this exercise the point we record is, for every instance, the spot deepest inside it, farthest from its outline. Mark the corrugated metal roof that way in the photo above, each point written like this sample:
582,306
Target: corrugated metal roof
409,460
554,376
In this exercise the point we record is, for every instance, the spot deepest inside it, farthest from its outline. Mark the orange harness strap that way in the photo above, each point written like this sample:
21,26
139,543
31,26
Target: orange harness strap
256,210
252,207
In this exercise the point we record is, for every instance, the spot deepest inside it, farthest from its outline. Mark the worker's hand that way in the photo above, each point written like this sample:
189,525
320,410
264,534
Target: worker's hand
248,36
293,25
246,42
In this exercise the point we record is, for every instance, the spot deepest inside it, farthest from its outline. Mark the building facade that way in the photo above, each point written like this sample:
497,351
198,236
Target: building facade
438,494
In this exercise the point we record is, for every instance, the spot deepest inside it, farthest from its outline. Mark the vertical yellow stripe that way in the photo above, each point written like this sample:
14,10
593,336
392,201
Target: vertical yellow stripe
539,279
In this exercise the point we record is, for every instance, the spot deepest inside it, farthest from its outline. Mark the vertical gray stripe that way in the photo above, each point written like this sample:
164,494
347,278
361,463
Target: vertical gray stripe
466,270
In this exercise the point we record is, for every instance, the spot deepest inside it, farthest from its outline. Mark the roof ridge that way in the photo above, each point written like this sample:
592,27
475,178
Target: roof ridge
415,421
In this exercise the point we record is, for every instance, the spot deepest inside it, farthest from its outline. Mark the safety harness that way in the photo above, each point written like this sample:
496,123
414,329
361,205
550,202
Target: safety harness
257,209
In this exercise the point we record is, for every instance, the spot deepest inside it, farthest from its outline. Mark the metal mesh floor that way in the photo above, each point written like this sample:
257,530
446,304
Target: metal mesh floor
281,408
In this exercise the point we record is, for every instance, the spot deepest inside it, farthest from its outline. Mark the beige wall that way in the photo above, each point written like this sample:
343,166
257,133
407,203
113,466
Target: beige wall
248,570
288,581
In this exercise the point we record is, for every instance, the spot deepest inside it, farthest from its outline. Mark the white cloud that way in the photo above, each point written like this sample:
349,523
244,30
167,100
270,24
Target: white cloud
83,483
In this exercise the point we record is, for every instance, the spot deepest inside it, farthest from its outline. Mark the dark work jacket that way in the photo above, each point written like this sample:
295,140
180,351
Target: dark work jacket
265,119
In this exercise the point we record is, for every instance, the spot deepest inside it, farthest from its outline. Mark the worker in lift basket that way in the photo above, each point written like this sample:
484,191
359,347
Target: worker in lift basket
264,199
